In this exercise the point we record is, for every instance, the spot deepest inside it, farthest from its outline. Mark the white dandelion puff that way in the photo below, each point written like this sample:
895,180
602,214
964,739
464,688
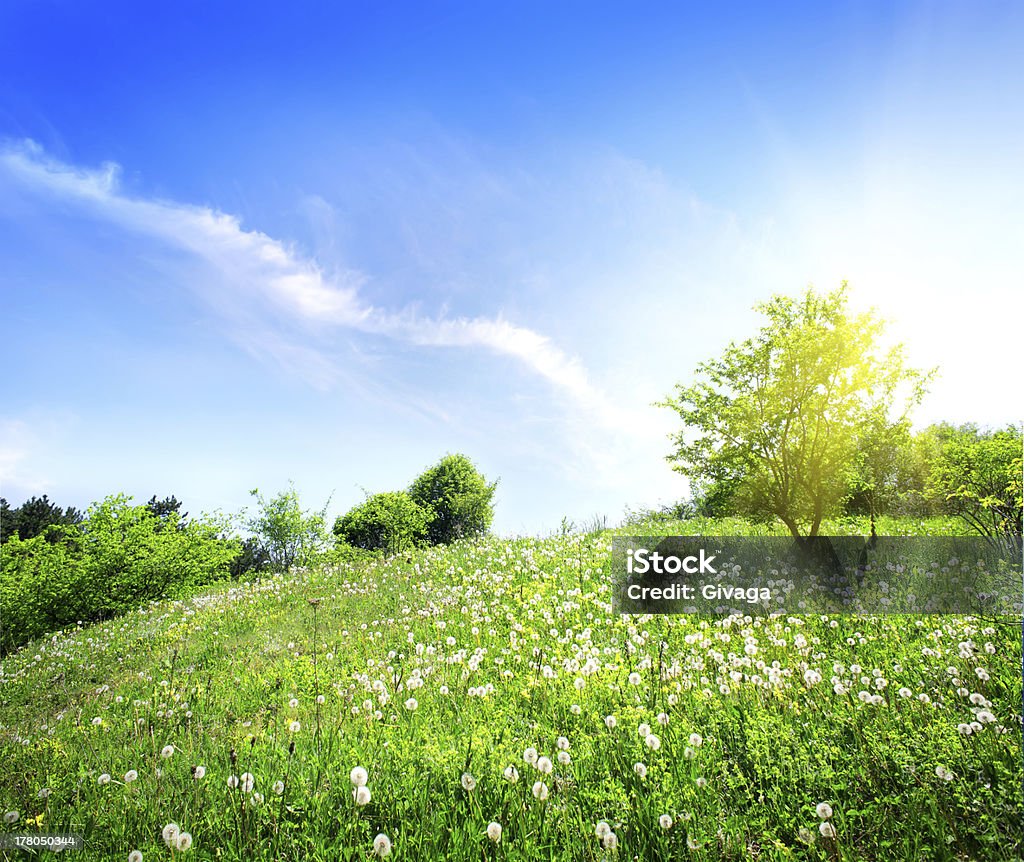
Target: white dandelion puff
382,845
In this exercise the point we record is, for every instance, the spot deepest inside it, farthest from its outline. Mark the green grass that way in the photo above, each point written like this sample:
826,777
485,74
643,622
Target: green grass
507,645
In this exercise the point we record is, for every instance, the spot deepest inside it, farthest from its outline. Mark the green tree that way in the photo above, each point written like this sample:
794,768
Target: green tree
34,517
778,418
117,558
459,498
167,508
287,535
391,522
977,475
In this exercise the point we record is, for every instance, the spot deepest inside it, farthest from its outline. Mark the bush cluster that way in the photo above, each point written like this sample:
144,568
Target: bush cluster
447,502
113,559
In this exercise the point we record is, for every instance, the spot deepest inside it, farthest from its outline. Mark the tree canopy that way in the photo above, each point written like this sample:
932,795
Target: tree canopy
391,521
778,420
458,497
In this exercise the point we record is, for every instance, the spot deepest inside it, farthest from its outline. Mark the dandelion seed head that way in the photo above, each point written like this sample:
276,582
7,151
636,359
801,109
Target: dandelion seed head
382,845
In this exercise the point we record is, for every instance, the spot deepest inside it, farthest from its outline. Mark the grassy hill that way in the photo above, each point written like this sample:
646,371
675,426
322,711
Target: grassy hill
491,682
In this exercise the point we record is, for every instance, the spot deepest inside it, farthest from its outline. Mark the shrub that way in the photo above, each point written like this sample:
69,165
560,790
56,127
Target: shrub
287,535
390,522
458,497
119,557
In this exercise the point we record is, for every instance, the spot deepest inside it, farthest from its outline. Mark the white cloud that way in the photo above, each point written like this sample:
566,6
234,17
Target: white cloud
253,265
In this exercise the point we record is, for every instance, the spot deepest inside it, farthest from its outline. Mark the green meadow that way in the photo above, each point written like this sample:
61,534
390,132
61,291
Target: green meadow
482,701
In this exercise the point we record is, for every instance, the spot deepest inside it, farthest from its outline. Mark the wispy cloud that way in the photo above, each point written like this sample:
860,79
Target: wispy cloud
254,266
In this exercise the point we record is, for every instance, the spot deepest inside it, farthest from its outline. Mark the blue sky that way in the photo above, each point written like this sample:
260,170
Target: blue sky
330,243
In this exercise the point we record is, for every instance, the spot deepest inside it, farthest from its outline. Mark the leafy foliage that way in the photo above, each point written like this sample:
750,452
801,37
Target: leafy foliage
287,535
34,518
775,423
118,557
391,521
458,497
978,476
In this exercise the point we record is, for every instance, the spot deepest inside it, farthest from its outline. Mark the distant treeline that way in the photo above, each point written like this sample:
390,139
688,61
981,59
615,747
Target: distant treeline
963,471
61,566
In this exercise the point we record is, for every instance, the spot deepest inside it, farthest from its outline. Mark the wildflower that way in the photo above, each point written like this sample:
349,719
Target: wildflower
97,721
11,817
411,705
610,841
103,779
602,828
468,782
806,835
701,782
293,703
170,833
130,776
824,810
696,740
184,841
653,742
544,765
530,756
691,843
905,692
167,751
511,774
135,856
382,845
43,793
278,787
232,781
610,722
360,794
689,753
944,773
198,772
247,782
985,716
494,831
634,678
644,730
294,727
575,709
964,729
540,790
358,776
827,830
564,758
320,698
563,743
665,821
640,769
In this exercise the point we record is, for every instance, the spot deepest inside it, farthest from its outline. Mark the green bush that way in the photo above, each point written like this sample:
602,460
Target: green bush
459,498
391,522
287,536
119,557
